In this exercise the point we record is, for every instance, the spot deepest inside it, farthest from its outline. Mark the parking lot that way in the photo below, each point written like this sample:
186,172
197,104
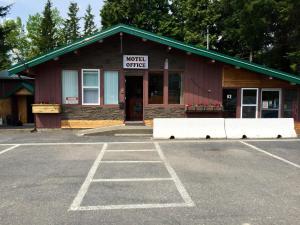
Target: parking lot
151,182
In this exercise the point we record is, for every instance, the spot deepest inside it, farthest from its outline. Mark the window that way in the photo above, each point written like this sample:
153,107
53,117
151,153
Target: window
155,90
270,103
69,87
290,103
175,88
249,103
111,87
90,87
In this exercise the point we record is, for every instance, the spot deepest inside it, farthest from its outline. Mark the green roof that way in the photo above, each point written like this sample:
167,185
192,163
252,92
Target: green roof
159,39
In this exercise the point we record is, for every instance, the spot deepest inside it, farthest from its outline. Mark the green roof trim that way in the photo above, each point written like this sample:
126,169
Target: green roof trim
159,39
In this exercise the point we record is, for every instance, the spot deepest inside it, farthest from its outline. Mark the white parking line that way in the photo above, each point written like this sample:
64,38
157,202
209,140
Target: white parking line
76,205
131,179
85,186
138,150
270,154
184,194
131,206
108,161
9,149
129,142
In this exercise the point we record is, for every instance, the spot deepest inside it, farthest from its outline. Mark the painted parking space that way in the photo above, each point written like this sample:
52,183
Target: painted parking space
288,151
158,195
228,182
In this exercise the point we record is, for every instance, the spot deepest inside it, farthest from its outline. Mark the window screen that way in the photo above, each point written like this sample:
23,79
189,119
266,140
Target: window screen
70,87
111,87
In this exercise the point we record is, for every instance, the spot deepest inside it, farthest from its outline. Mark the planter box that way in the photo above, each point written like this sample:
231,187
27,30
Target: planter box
46,108
201,108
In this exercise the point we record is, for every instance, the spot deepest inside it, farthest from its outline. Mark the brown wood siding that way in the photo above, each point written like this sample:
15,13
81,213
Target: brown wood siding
5,107
48,90
202,81
234,78
108,54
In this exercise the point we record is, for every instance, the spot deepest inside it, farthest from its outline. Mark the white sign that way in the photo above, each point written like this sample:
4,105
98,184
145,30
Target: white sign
71,100
265,105
135,61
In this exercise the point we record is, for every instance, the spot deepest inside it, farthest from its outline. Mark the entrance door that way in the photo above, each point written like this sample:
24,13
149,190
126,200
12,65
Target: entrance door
229,103
134,98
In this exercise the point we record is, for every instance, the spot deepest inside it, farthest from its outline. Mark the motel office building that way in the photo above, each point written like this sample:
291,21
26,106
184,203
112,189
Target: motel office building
127,74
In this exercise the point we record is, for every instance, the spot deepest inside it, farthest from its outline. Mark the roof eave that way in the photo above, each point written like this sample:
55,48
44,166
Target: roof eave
162,40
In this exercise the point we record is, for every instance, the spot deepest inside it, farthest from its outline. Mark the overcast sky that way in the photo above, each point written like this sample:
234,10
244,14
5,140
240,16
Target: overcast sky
24,8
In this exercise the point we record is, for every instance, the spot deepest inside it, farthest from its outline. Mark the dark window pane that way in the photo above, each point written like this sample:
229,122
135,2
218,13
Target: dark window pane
249,112
269,113
155,90
175,90
270,99
249,96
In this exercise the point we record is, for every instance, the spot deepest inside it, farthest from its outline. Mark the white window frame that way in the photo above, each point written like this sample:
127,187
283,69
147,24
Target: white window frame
90,87
256,105
271,89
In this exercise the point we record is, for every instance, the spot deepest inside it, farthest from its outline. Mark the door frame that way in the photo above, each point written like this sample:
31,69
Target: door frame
280,99
256,105
125,96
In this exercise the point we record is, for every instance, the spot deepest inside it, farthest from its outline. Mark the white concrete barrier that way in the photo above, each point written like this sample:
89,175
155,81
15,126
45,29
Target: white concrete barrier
185,128
260,128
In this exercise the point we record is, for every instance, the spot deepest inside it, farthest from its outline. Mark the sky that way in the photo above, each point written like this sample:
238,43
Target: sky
24,8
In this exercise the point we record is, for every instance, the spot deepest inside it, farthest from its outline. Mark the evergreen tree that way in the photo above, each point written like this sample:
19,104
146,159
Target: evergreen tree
4,48
89,24
47,36
144,14
71,24
201,17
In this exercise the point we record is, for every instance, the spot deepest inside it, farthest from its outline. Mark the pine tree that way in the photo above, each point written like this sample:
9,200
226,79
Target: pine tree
47,37
145,14
71,24
4,48
89,24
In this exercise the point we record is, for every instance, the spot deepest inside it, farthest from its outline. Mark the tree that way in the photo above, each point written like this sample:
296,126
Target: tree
33,27
4,48
144,14
17,40
47,36
89,24
71,24
34,30
201,17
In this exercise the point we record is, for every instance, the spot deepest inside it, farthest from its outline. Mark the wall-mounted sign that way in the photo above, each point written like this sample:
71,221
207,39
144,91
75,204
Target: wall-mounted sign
135,61
71,100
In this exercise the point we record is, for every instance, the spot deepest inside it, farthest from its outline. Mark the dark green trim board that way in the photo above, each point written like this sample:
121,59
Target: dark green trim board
159,39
